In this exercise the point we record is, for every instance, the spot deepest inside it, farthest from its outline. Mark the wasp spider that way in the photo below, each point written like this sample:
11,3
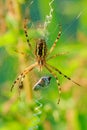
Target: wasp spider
41,56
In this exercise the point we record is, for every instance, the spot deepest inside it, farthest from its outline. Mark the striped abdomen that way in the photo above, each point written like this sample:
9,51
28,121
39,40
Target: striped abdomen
41,51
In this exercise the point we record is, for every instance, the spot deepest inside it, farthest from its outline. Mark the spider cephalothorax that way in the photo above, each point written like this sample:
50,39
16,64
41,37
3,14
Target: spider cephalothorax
42,56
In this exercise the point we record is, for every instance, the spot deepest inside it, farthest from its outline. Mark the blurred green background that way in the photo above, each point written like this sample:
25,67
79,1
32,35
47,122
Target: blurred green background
39,110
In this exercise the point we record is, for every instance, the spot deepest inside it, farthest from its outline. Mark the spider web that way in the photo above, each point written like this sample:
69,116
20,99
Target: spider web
49,18
47,22
79,12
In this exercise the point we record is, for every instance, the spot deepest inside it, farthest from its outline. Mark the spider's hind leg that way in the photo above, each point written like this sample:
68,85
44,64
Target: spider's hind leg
57,70
21,77
58,84
17,80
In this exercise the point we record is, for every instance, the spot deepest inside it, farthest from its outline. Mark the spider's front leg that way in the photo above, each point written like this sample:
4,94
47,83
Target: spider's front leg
26,34
58,37
21,77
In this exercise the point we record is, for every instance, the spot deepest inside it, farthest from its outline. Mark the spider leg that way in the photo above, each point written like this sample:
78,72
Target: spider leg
59,54
26,34
58,37
58,84
22,53
21,77
63,74
20,87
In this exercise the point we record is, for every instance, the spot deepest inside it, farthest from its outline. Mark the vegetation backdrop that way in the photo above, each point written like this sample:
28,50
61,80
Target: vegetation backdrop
31,110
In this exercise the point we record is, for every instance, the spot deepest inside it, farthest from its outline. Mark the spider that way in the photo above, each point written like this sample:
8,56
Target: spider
41,57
